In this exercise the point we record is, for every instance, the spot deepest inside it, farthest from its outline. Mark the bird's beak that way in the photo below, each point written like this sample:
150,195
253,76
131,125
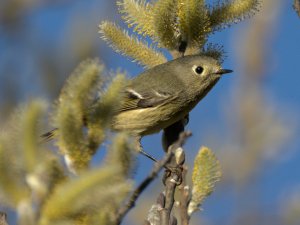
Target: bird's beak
223,71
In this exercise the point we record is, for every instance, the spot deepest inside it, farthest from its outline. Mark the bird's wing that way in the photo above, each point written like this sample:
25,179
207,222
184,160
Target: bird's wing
133,99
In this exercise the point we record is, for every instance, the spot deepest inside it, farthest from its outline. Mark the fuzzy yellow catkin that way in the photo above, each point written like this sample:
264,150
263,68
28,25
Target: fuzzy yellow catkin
137,14
194,22
30,134
20,154
101,113
122,153
74,100
206,173
130,46
88,191
165,26
229,12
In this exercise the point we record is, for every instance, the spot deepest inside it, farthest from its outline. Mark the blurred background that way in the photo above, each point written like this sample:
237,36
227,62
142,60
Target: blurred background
250,119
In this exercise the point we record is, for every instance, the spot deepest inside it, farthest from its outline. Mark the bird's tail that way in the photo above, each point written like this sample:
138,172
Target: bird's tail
49,135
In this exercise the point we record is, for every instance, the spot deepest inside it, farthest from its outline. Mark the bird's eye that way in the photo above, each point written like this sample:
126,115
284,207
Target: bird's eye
198,69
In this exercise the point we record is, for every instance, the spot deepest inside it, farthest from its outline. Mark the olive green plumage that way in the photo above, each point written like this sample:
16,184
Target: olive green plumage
164,94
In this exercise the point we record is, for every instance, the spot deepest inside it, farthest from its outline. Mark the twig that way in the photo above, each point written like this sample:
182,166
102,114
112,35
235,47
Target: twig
173,178
171,185
173,138
154,214
131,202
184,196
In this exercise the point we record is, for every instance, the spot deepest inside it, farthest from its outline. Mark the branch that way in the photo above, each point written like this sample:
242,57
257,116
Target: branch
171,185
184,198
160,212
131,202
173,177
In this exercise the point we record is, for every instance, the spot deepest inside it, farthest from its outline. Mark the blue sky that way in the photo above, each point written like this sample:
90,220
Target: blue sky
49,26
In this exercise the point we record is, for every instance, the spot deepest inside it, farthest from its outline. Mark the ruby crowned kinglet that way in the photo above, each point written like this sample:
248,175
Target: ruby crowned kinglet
165,94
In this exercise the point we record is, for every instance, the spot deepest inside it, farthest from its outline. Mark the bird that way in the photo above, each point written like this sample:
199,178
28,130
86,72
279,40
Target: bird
163,95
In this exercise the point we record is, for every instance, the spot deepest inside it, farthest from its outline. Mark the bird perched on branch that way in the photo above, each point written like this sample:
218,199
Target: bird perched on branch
163,95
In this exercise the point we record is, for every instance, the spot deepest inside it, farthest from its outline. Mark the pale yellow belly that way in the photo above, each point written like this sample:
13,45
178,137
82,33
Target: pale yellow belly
149,120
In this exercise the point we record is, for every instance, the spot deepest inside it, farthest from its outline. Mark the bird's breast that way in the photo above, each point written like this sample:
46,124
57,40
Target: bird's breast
150,120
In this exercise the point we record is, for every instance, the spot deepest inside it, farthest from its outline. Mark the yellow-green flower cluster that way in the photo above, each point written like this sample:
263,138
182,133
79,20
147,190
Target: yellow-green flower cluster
180,26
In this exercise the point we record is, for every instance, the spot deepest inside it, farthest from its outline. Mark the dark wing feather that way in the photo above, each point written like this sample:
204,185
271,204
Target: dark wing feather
136,100
131,100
